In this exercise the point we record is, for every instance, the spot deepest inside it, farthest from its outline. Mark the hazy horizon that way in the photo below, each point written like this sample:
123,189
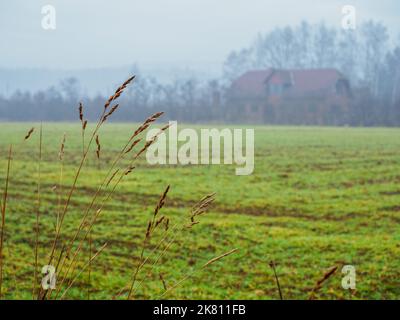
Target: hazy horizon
99,42
158,34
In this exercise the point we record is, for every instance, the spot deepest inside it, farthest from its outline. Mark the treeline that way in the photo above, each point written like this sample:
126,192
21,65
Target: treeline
184,100
366,56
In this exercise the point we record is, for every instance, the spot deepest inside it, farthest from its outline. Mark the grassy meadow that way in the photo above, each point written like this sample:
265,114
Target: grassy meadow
319,197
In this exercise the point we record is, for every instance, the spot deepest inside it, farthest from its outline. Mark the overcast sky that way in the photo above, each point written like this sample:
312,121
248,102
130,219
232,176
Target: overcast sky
105,33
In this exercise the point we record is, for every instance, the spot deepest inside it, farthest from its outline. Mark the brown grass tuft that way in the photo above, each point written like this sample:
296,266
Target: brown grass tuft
201,207
129,170
62,147
107,115
331,271
98,147
80,108
118,92
134,143
147,123
161,202
28,135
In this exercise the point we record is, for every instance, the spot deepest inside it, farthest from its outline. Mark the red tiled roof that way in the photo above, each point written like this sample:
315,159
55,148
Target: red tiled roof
314,79
252,82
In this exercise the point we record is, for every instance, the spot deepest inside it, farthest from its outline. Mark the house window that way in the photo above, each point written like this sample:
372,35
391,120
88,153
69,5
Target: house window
342,87
275,89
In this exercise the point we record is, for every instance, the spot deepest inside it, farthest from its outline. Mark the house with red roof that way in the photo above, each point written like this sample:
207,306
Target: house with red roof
298,96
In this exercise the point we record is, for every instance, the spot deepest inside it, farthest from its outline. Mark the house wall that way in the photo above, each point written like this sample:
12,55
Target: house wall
308,110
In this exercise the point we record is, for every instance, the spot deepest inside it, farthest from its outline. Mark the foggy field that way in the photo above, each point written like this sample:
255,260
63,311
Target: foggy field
319,197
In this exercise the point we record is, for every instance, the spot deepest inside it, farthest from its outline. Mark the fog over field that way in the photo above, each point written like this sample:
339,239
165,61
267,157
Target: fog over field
99,41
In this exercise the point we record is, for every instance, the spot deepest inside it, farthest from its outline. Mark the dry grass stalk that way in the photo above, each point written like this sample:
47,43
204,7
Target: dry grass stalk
147,123
60,180
28,135
150,228
35,278
84,124
83,269
118,92
84,218
159,221
60,256
62,147
148,231
153,224
272,265
163,282
75,180
98,147
89,265
201,207
112,177
159,206
83,221
90,226
129,170
203,203
134,143
320,282
71,266
151,141
213,260
80,108
106,116
3,217
188,275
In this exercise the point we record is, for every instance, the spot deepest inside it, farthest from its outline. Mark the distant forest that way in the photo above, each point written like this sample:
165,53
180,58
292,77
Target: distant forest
367,56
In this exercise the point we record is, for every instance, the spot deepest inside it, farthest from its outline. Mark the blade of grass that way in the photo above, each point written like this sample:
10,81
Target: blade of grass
83,269
3,218
35,278
199,208
272,265
189,274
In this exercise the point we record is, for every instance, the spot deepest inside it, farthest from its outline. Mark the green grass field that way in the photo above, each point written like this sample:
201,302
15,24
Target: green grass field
318,197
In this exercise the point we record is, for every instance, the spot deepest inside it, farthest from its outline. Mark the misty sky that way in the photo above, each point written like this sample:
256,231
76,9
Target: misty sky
104,33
